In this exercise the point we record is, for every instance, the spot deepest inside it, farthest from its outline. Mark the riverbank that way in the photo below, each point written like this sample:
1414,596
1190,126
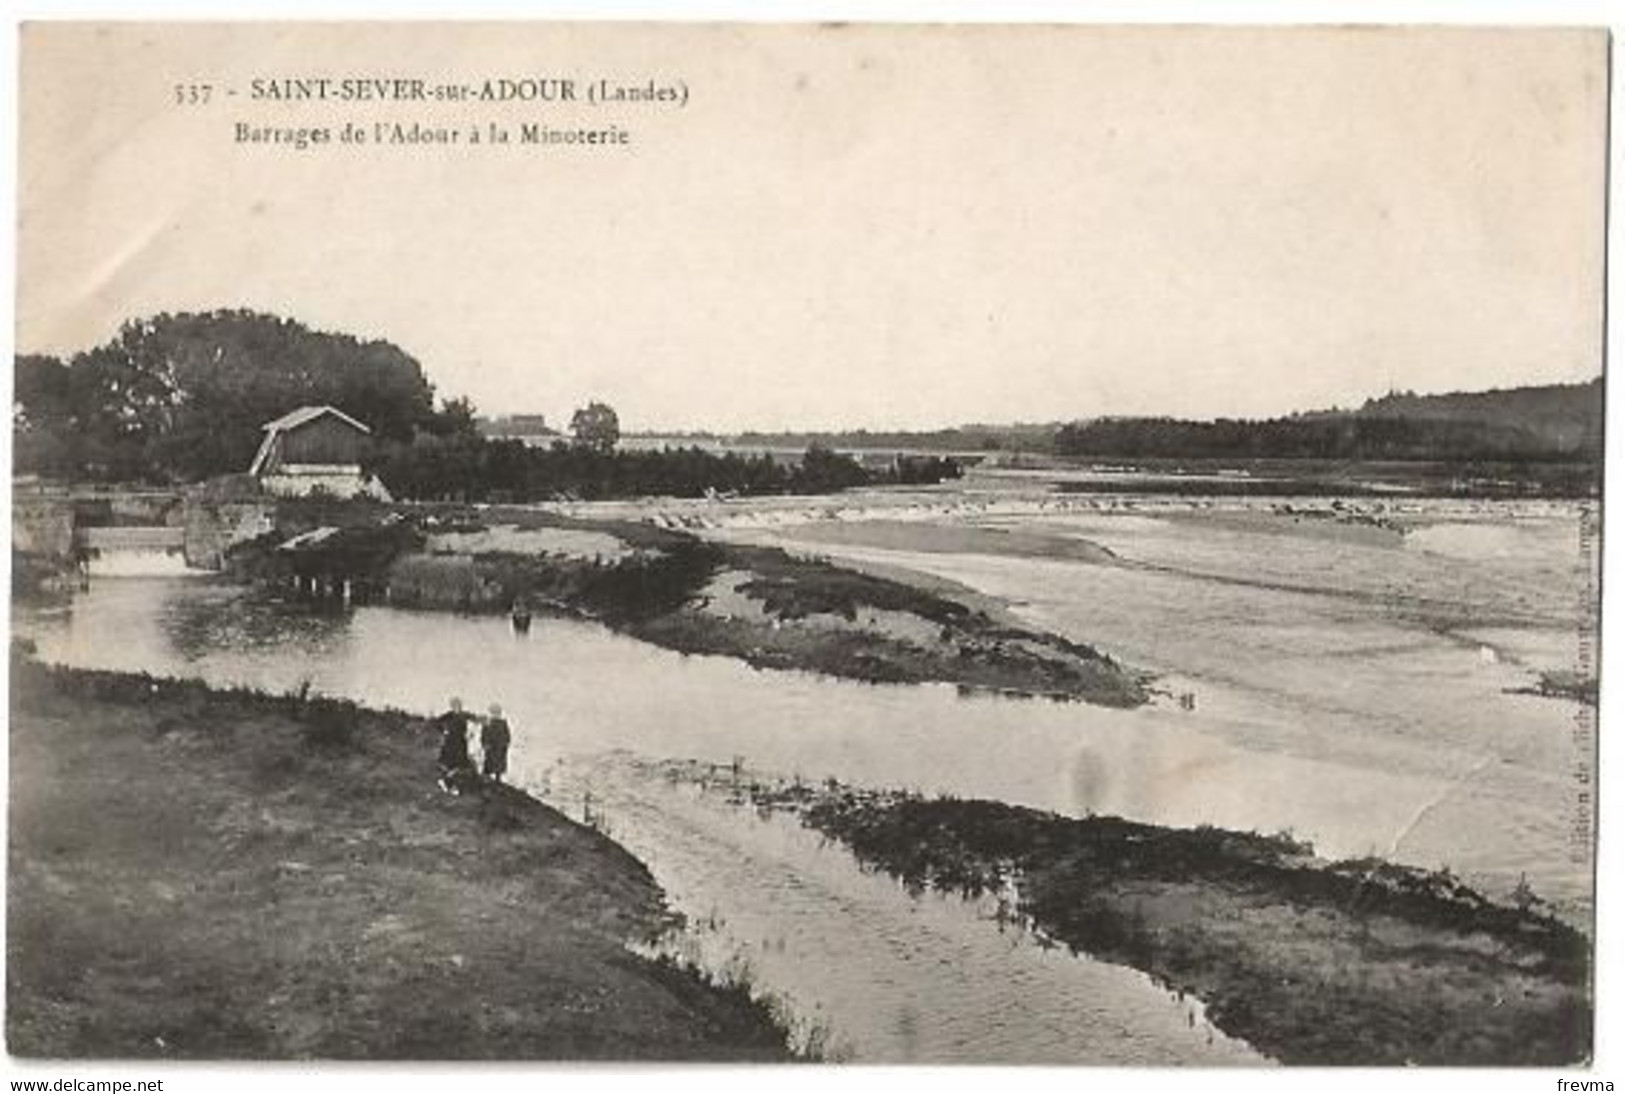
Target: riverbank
197,873
762,605
1311,962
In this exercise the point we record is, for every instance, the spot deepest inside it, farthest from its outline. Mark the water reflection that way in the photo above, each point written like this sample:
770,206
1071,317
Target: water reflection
574,689
218,617
863,970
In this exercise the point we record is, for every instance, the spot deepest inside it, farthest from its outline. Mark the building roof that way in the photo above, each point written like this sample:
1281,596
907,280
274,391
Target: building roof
305,414
293,420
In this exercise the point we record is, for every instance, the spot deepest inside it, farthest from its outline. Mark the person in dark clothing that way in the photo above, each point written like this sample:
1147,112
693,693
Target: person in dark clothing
456,769
494,739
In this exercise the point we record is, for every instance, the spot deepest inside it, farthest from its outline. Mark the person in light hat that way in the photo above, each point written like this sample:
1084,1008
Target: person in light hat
495,736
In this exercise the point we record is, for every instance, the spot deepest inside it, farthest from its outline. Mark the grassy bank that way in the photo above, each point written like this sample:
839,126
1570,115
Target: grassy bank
1312,962
666,586
206,874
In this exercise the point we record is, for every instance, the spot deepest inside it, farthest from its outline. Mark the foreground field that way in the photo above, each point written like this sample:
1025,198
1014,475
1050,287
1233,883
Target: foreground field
204,874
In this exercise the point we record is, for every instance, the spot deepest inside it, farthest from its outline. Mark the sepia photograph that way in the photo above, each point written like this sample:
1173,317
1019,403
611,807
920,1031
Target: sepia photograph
810,543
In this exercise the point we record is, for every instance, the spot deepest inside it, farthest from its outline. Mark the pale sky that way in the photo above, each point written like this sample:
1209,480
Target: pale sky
853,226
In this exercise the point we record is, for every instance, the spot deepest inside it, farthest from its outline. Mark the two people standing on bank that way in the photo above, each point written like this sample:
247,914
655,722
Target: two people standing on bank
457,770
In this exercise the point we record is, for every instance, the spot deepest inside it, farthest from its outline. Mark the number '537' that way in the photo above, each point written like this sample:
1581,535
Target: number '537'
193,94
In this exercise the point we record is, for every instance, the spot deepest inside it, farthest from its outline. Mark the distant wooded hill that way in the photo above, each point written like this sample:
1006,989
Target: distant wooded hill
1555,422
1549,422
1567,416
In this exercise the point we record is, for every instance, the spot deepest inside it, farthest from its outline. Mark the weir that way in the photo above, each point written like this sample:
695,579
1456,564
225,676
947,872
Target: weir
124,550
131,531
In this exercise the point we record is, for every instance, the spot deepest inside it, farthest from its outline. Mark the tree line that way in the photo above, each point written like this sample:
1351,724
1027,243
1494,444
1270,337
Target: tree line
181,398
469,468
1340,436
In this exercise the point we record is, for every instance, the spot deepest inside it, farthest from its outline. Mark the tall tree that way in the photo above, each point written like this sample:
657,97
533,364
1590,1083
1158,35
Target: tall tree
596,426
182,397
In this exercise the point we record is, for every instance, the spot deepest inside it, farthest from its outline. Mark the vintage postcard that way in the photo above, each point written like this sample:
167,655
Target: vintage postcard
854,543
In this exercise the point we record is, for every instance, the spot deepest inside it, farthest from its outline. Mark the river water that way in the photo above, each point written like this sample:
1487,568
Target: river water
862,969
1366,684
574,689
1357,687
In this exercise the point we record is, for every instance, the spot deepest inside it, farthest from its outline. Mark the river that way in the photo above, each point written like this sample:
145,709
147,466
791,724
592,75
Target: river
1355,689
862,969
